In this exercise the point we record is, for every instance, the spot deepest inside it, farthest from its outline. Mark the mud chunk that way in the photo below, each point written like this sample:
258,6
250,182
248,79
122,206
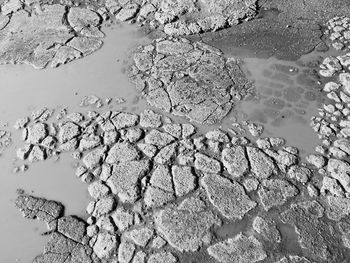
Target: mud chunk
340,170
332,186
275,192
60,248
128,12
159,139
38,208
140,257
317,160
133,134
125,252
338,207
37,154
293,259
140,236
314,234
187,130
125,120
122,152
94,158
184,180
105,245
166,154
155,197
261,164
68,131
267,229
345,230
104,206
122,219
185,226
98,189
143,61
21,123
72,228
125,179
81,18
89,143
240,249
161,178
343,144
162,257
217,135
168,47
36,133
174,129
206,164
251,184
148,149
23,153
20,47
235,161
150,119
86,45
228,197
299,173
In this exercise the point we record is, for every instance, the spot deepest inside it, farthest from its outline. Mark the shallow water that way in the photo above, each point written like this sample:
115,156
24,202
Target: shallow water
24,89
287,96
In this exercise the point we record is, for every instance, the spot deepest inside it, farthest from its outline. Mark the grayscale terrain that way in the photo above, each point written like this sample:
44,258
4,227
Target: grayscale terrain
175,131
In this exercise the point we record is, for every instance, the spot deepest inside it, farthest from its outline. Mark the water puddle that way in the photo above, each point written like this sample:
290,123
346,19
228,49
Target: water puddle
24,89
287,96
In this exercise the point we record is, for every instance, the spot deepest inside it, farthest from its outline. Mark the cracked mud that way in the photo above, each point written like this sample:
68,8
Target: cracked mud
163,188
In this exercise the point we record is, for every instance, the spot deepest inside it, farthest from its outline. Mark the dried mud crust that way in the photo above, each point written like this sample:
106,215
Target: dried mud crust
159,190
184,17
54,34
189,79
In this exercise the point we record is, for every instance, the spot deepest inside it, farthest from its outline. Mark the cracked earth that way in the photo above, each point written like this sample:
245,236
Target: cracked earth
197,167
